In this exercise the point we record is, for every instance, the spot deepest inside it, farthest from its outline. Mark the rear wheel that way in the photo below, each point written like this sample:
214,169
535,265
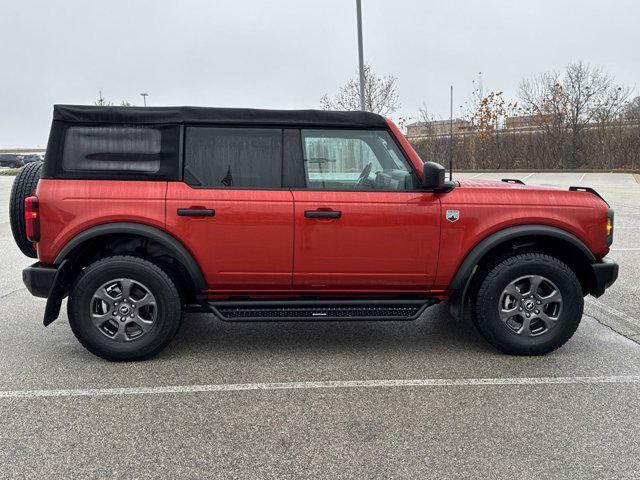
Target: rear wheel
528,304
124,308
24,185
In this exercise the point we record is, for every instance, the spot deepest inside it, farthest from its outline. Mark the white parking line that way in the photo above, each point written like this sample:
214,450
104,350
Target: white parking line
634,249
530,175
582,178
240,387
476,176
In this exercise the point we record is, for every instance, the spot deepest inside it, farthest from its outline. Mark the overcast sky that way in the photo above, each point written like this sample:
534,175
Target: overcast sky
287,53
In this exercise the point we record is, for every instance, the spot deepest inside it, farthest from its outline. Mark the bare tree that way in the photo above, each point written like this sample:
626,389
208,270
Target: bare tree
632,109
572,100
101,101
380,94
423,114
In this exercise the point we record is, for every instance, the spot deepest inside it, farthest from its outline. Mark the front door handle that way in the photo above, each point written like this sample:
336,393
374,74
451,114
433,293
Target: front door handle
196,212
322,213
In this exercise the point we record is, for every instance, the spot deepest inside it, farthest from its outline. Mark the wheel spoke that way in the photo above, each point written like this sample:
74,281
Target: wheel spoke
526,327
507,314
549,322
99,318
121,334
101,294
145,325
536,280
513,291
126,285
555,297
147,300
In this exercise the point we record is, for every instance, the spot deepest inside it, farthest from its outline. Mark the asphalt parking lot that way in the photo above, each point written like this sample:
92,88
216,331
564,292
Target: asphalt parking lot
423,399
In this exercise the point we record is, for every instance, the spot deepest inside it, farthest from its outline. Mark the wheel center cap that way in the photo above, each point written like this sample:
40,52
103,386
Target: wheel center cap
529,305
124,310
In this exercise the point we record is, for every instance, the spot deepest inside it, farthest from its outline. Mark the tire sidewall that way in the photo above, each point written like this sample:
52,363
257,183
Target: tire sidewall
570,315
167,302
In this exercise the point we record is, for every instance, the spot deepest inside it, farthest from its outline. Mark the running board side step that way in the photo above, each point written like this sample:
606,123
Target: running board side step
314,310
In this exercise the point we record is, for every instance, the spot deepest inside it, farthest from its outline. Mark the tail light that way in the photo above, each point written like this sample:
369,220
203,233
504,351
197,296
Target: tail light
32,218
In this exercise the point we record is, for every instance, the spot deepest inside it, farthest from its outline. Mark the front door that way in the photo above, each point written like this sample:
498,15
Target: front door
232,211
362,223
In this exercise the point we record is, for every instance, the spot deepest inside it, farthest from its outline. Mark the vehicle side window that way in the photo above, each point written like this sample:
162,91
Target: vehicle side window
355,160
112,148
233,157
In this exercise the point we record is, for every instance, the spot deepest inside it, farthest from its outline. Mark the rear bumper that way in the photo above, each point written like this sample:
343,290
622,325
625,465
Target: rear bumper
605,273
39,279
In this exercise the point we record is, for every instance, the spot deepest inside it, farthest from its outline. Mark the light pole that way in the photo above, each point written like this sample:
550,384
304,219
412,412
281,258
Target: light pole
360,55
144,98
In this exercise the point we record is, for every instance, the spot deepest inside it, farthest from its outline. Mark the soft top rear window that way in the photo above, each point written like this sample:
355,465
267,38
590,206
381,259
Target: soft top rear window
115,151
113,148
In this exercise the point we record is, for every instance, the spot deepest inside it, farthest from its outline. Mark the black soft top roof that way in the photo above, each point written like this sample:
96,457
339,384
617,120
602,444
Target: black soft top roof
220,116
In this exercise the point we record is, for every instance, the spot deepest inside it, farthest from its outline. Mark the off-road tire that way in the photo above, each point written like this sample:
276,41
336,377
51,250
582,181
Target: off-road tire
81,296
489,287
24,185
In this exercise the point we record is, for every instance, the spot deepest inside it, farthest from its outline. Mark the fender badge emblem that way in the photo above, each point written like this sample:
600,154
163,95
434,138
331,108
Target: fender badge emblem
452,215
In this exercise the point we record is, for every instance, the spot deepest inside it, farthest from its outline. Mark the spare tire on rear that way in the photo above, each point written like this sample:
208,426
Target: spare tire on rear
24,186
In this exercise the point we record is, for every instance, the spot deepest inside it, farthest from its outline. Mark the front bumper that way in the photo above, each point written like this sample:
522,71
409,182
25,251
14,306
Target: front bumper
605,273
39,279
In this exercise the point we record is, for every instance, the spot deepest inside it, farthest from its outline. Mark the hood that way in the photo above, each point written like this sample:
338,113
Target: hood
518,193
502,185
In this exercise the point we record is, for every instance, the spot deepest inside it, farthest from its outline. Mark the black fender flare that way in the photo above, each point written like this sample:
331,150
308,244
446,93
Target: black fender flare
61,281
467,268
165,239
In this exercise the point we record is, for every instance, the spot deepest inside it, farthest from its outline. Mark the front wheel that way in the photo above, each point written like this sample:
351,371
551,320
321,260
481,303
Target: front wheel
124,308
528,304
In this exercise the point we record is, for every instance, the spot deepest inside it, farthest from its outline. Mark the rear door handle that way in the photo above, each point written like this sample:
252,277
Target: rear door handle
322,213
196,212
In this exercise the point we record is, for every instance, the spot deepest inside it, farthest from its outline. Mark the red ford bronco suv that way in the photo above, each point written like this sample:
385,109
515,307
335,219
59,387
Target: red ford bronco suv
140,214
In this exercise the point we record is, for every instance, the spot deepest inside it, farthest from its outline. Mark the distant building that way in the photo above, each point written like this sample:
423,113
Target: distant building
438,128
527,122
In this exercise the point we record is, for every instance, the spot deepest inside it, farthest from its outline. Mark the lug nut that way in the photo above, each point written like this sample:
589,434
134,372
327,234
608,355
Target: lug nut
122,319
125,300
528,315
537,311
132,315
531,296
116,303
539,302
520,309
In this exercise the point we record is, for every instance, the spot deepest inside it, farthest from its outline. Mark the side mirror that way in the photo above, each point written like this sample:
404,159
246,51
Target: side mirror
433,177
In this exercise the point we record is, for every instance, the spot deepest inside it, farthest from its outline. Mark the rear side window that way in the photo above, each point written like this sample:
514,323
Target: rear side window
146,152
233,157
134,149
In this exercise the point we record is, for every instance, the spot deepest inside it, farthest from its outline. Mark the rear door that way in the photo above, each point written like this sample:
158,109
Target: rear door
231,211
362,223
